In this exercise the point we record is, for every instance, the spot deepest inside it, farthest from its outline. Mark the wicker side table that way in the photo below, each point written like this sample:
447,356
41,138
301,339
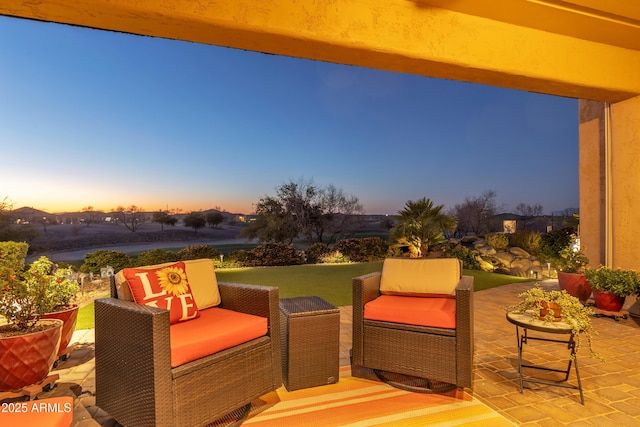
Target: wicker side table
310,337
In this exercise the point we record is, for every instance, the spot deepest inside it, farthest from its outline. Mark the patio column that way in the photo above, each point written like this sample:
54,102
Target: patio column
610,182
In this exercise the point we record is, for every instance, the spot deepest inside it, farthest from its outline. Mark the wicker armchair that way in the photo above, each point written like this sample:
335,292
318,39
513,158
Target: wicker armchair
136,384
439,354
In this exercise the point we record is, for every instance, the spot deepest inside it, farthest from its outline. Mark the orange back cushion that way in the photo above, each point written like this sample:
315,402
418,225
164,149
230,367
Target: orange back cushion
164,287
420,277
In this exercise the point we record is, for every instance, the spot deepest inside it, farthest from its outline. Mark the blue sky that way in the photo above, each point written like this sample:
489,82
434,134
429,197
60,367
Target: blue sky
96,118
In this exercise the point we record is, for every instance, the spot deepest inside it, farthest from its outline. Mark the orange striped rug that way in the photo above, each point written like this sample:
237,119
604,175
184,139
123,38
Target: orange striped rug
368,402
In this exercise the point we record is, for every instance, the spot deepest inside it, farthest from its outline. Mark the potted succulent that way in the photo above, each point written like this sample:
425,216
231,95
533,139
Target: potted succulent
554,305
612,286
28,344
570,263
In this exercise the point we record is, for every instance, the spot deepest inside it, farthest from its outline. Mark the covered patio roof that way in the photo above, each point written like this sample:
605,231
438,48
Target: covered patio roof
585,49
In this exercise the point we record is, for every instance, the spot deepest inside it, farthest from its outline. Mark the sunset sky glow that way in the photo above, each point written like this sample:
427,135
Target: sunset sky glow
96,118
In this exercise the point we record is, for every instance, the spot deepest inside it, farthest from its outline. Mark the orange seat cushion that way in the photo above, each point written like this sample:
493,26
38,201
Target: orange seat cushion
433,312
215,330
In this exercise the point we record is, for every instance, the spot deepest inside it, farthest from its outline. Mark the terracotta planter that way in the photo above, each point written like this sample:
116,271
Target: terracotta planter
608,301
68,314
576,284
27,359
546,306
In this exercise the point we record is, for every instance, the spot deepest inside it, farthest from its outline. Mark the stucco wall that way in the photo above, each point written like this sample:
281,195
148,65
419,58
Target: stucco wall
625,158
614,221
592,180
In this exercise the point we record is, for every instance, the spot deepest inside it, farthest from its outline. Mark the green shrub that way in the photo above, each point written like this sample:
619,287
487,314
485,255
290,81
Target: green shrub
228,262
334,257
463,254
362,250
617,281
527,240
94,261
498,241
553,242
65,265
315,252
198,252
18,233
274,254
13,255
238,258
156,256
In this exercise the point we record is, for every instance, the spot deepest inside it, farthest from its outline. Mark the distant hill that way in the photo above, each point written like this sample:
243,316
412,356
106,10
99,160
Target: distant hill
29,212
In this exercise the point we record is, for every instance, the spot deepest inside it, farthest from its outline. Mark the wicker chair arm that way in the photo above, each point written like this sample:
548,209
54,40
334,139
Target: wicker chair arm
251,299
261,301
464,330
365,288
133,353
466,284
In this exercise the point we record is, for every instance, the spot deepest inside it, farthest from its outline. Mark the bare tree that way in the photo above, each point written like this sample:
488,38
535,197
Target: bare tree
272,223
9,230
319,211
6,217
477,214
302,208
529,210
342,213
90,215
530,214
132,217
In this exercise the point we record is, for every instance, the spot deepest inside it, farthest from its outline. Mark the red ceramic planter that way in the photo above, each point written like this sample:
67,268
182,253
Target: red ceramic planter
27,359
68,315
576,284
608,301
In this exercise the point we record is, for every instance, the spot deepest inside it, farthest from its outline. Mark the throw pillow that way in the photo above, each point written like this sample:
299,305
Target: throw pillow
202,280
164,287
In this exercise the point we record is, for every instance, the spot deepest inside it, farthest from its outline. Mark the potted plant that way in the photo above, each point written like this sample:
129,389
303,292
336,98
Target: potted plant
548,306
570,263
56,303
612,286
26,296
28,345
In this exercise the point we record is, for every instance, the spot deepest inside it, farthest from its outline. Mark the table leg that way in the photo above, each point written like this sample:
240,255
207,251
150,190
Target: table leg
522,339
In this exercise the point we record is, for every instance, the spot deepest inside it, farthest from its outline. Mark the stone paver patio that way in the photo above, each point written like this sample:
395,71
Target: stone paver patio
611,389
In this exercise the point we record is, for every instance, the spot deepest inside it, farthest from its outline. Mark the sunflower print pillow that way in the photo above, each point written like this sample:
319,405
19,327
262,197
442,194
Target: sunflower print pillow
166,287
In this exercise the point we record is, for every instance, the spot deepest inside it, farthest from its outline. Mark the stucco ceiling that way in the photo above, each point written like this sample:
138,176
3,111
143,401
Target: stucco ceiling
587,49
614,22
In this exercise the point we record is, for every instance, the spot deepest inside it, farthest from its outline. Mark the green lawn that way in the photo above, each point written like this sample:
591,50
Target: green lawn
85,317
331,282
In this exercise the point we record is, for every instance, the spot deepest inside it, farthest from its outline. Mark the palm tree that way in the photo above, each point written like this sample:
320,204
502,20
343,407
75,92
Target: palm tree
421,225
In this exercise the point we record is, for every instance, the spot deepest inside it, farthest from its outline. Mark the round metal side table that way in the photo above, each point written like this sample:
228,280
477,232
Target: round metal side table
525,323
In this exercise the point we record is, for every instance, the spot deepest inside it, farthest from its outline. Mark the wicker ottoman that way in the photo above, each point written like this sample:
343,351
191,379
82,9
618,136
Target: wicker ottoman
310,337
